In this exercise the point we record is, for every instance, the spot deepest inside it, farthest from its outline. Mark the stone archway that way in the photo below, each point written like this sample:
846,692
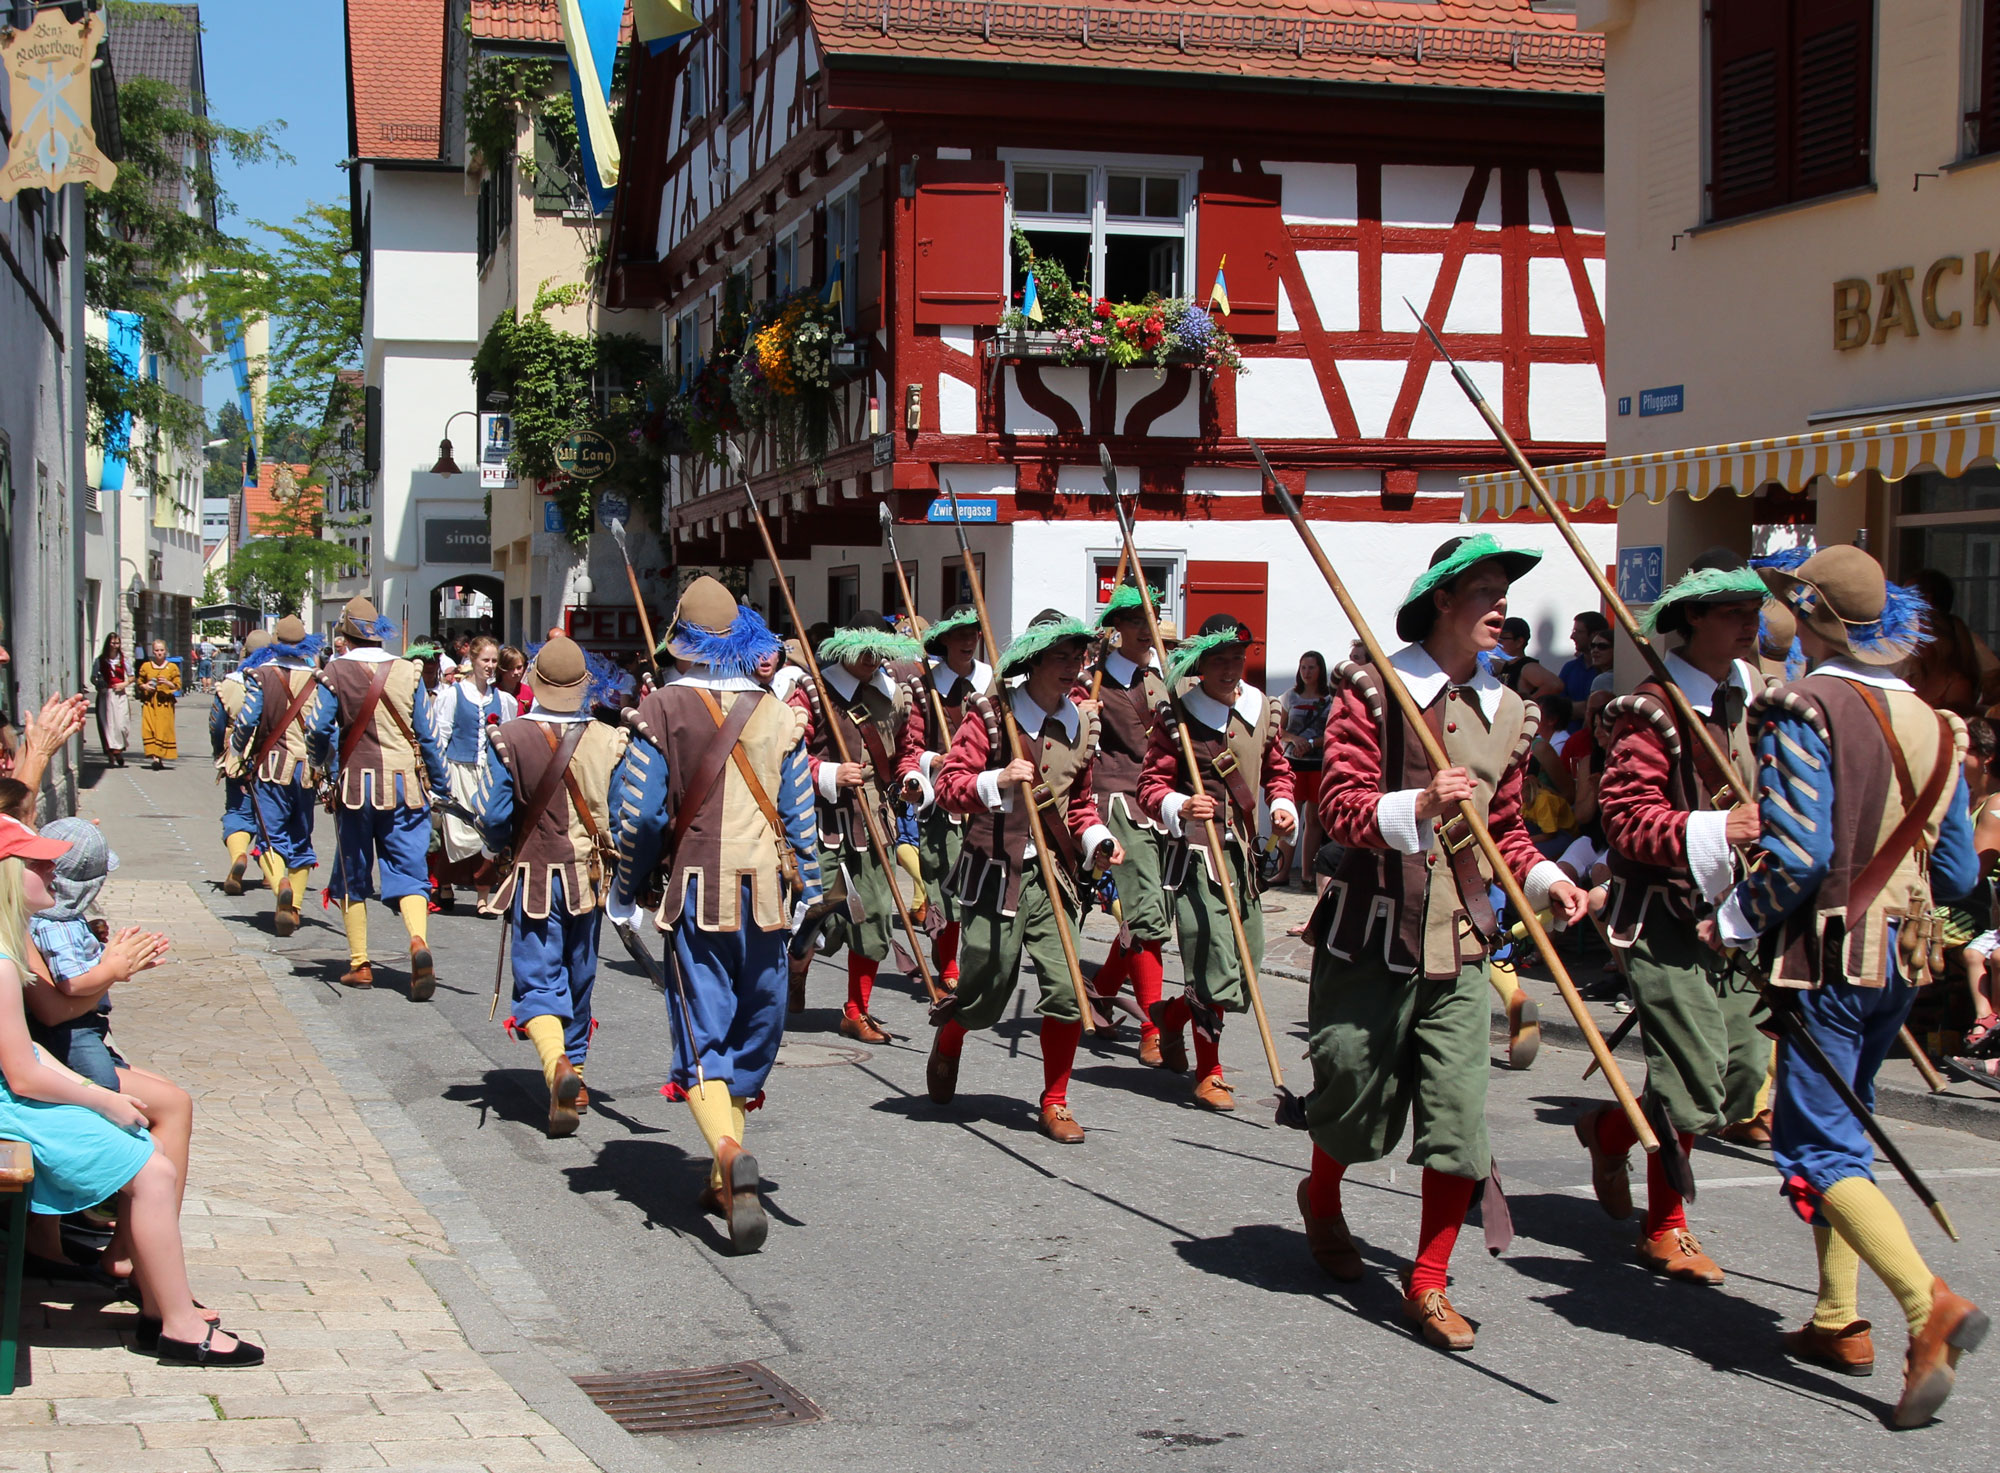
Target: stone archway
467,602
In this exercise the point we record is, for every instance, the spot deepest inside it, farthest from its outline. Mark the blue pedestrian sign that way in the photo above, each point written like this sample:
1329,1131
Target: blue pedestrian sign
552,516
972,512
1641,574
1670,400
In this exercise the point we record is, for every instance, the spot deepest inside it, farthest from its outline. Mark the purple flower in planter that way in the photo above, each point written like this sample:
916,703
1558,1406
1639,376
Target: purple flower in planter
1194,328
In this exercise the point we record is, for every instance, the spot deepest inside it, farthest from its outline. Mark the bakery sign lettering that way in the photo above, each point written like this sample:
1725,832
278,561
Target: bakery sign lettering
1870,313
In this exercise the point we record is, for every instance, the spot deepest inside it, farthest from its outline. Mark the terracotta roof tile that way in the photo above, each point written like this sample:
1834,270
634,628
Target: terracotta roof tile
395,77
1500,45
259,503
525,20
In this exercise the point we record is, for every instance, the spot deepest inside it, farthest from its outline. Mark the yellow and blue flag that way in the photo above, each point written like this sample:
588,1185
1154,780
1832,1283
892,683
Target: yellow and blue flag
660,23
833,288
1031,301
590,36
1218,295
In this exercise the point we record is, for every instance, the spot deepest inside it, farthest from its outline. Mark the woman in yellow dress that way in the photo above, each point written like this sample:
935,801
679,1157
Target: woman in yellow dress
159,686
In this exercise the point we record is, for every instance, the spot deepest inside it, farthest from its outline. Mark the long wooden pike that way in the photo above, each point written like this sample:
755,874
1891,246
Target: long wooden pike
632,577
1044,855
1739,791
910,611
1291,1109
878,842
1468,814
1117,578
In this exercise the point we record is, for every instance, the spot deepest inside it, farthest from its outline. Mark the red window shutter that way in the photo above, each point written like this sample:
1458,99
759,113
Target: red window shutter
960,225
1237,222
1987,119
868,262
1747,47
1832,48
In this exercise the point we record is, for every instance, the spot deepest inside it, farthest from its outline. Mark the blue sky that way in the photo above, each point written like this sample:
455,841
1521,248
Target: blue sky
268,61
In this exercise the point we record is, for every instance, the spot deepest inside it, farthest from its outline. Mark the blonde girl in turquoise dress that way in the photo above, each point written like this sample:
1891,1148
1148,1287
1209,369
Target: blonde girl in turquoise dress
90,1144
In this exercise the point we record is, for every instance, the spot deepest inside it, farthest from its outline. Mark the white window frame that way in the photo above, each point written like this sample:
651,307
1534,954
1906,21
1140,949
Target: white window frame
1169,609
1100,166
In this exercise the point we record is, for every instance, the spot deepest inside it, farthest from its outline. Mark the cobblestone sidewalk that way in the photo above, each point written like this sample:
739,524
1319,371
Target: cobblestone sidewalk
300,1232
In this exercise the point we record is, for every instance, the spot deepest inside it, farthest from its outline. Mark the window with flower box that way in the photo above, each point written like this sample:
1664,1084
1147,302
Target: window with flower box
1120,231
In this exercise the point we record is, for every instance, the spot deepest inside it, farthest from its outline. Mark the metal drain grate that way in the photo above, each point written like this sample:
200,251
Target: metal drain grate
711,1399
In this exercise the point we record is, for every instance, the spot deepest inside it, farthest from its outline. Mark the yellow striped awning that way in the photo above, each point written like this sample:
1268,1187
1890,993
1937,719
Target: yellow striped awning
1948,443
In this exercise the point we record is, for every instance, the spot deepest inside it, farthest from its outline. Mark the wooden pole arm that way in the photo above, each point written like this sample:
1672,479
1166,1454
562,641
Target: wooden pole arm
910,611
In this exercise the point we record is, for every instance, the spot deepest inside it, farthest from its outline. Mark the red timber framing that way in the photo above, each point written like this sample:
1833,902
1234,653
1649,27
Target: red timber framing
912,127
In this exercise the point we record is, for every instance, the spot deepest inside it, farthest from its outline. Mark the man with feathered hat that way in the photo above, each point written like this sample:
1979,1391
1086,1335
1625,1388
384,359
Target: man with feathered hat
715,797
1004,906
1399,1012
543,803
1675,834
1863,808
1130,697
952,668
371,733
1238,737
269,739
874,710
239,820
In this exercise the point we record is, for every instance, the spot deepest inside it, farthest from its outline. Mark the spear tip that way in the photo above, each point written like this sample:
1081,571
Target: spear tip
883,508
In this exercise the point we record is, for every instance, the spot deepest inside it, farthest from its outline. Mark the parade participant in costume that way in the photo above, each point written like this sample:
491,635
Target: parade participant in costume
465,708
954,670
1238,735
881,733
543,798
716,792
1130,697
371,731
239,821
1399,1013
1674,829
112,675
269,737
1003,904
1865,830
159,685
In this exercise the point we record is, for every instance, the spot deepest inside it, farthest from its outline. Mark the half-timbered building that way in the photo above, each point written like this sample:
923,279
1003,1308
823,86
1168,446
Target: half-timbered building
909,161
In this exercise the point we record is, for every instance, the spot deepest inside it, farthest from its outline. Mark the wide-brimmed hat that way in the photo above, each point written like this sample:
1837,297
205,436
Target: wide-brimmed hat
560,675
360,624
1777,630
1049,628
1718,576
962,616
1188,657
1417,613
1842,595
868,633
255,640
1125,601
712,629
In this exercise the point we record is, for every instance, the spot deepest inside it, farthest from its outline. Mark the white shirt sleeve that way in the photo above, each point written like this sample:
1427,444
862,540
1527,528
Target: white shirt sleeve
1711,862
1541,879
1396,816
1093,838
1170,814
988,788
829,788
1731,925
1286,805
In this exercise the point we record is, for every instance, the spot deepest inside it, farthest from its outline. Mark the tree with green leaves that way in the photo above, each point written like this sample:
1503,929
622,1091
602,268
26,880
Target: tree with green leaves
286,560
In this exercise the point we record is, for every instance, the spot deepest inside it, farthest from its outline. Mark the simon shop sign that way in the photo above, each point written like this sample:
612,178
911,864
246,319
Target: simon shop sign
1868,314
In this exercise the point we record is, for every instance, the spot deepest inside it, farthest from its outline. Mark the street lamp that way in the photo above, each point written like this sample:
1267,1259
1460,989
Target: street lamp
446,466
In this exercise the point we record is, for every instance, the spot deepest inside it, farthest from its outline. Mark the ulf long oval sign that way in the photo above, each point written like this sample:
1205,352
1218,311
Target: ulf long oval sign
586,455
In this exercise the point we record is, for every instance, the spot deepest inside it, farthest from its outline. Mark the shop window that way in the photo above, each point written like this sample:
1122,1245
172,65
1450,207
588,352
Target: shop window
1982,117
1952,523
1118,233
1789,101
843,595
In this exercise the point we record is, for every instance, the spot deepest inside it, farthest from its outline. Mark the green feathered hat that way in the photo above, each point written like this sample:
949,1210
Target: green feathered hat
1125,600
420,651
1188,657
1718,576
965,616
868,633
1045,631
1417,613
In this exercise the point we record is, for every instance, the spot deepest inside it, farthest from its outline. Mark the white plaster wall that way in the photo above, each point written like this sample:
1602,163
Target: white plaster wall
1317,194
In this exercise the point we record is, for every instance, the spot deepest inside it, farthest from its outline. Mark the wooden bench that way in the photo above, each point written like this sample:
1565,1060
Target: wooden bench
17,1175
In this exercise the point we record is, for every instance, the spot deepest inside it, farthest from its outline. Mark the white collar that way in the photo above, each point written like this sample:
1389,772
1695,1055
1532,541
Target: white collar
1697,687
235,675
707,679
1212,714
539,714
1119,668
368,654
1877,676
846,683
1031,716
1424,679
948,680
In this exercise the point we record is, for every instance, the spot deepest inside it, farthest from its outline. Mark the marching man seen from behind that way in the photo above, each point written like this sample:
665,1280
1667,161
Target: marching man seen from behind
543,800
1865,831
715,796
239,822
1399,1013
269,739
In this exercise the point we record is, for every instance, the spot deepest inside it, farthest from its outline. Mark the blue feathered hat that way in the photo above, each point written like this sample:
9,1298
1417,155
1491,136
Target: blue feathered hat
566,677
712,629
360,624
289,641
1842,595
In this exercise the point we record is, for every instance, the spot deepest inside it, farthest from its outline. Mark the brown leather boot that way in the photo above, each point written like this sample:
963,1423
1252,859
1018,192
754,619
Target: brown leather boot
1851,1351
285,919
1432,1316
1212,1092
423,977
742,1202
563,1090
232,883
1930,1369
941,1075
1331,1243
1677,1254
1524,1031
795,991
1173,1047
1149,1052
1610,1176
1060,1126
1756,1131
863,1029
361,975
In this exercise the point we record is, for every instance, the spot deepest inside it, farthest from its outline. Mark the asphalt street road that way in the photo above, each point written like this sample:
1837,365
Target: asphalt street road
956,1291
